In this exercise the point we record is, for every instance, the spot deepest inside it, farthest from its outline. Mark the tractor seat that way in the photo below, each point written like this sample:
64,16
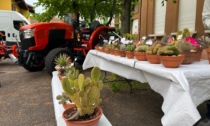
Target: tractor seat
93,26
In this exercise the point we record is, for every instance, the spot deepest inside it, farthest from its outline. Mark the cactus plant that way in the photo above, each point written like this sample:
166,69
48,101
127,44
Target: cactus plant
62,62
130,47
184,33
152,50
63,98
184,46
84,92
142,48
169,50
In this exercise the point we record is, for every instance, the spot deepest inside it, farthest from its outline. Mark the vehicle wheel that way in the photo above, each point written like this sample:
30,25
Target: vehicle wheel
34,67
50,58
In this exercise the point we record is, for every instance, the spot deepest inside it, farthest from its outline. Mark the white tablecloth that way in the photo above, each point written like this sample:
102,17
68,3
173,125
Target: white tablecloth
57,90
183,88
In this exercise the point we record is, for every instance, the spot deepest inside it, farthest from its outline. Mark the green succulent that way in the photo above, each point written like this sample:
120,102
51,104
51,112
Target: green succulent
142,48
122,47
84,92
130,47
183,46
152,50
63,98
168,50
62,60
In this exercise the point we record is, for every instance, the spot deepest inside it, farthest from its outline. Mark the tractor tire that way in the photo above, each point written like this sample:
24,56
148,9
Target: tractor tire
50,58
34,68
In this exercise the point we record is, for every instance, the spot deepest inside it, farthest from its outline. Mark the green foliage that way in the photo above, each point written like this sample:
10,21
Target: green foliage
63,98
185,33
168,50
130,47
183,46
152,50
122,47
82,7
142,48
62,60
84,92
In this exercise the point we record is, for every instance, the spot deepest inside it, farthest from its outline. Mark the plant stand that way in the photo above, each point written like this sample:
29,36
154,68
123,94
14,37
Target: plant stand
127,80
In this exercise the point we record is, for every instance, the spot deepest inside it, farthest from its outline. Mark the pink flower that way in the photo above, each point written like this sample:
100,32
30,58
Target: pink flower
192,41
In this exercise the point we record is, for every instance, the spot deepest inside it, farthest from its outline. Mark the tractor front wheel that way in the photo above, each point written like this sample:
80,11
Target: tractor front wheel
50,58
33,67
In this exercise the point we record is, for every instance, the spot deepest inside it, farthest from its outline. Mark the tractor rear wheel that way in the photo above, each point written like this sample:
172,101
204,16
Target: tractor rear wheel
50,58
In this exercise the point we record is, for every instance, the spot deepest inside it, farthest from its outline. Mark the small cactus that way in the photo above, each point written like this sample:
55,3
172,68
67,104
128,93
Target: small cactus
130,47
122,47
168,50
142,48
152,50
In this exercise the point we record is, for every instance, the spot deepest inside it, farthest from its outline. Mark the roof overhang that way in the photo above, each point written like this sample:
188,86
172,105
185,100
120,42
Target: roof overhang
23,5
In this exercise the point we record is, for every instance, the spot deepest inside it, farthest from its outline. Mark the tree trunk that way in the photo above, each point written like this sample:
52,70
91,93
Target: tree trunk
125,18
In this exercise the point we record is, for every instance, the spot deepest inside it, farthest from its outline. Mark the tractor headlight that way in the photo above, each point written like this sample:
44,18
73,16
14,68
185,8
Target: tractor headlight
29,33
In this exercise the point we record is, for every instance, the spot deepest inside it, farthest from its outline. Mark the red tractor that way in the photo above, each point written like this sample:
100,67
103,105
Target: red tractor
41,43
8,52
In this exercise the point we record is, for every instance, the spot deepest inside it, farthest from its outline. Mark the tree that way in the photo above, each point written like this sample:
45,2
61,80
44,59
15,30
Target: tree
84,8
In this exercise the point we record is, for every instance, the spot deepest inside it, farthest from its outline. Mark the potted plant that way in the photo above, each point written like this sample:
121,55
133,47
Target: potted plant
204,42
64,100
169,56
106,47
122,50
62,62
85,94
129,51
151,53
140,52
186,48
116,47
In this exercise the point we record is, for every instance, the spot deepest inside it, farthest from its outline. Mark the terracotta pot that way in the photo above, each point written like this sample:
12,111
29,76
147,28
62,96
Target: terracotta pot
97,48
68,105
107,51
208,54
122,53
117,52
141,56
111,51
190,57
172,61
92,122
154,59
129,54
198,54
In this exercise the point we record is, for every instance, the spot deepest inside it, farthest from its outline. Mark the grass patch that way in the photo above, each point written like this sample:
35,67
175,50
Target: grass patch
117,83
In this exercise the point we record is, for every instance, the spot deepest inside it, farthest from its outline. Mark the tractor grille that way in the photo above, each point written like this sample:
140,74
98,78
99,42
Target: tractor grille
26,43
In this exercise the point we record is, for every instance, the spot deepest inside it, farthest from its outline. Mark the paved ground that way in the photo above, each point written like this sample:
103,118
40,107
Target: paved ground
26,100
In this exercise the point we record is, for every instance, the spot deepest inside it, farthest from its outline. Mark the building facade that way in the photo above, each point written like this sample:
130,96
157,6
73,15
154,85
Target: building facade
17,5
155,20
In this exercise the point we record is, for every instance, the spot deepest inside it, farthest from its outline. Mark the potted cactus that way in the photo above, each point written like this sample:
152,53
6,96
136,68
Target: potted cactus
186,48
151,53
106,47
122,50
64,100
140,52
62,62
85,94
170,56
129,51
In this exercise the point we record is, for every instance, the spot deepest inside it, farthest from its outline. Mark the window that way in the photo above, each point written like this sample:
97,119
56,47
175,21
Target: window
18,24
